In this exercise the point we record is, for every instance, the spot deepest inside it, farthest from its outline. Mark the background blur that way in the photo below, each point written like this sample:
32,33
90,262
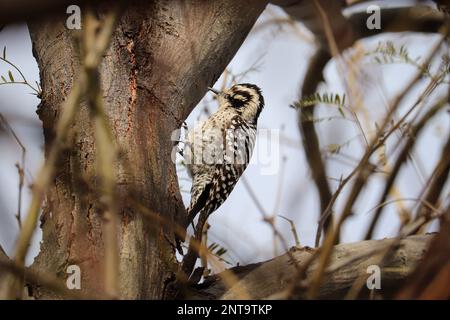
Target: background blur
274,56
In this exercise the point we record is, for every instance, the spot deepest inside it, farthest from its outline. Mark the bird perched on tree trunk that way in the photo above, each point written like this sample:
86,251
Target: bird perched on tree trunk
218,150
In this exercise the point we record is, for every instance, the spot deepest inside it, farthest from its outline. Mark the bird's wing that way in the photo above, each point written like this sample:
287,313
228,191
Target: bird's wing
211,188
201,186
203,142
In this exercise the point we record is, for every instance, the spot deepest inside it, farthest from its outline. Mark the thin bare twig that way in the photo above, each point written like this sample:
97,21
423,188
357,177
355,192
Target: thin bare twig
405,230
362,172
20,168
43,279
293,230
68,112
228,277
24,81
336,54
269,219
106,149
311,142
408,146
437,182
279,193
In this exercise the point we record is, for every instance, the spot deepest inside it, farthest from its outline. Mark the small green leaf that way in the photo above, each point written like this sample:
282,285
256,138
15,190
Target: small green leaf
4,52
221,252
333,148
10,76
4,80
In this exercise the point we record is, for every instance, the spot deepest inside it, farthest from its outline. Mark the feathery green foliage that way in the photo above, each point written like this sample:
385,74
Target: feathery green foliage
324,98
388,53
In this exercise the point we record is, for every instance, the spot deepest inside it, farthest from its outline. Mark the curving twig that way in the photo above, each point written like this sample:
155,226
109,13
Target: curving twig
95,42
24,81
408,146
20,168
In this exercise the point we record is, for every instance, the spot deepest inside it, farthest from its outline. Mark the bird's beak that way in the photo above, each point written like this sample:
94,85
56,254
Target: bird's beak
213,90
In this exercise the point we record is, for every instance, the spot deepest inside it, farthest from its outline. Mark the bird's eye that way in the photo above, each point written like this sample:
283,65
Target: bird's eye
236,103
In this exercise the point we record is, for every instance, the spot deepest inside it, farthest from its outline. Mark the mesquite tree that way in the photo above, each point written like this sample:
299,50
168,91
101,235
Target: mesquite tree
112,95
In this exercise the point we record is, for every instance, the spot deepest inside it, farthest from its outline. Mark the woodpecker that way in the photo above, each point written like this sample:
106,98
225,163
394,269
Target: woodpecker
217,151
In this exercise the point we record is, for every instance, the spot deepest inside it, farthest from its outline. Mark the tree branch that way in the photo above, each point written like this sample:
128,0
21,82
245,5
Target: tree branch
349,262
310,140
431,278
401,159
348,29
25,10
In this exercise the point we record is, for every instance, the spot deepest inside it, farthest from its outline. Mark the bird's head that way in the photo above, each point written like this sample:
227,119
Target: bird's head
245,98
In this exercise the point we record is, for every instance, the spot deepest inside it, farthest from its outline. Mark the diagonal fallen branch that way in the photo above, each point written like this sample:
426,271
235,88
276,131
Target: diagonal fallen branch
270,279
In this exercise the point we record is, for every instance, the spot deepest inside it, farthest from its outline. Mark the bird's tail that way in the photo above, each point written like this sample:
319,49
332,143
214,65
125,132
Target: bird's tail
194,245
179,239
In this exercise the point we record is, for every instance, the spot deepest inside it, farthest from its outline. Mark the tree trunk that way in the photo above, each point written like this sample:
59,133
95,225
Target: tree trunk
162,57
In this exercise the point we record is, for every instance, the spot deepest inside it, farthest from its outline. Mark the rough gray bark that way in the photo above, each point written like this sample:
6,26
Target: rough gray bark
266,280
162,57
